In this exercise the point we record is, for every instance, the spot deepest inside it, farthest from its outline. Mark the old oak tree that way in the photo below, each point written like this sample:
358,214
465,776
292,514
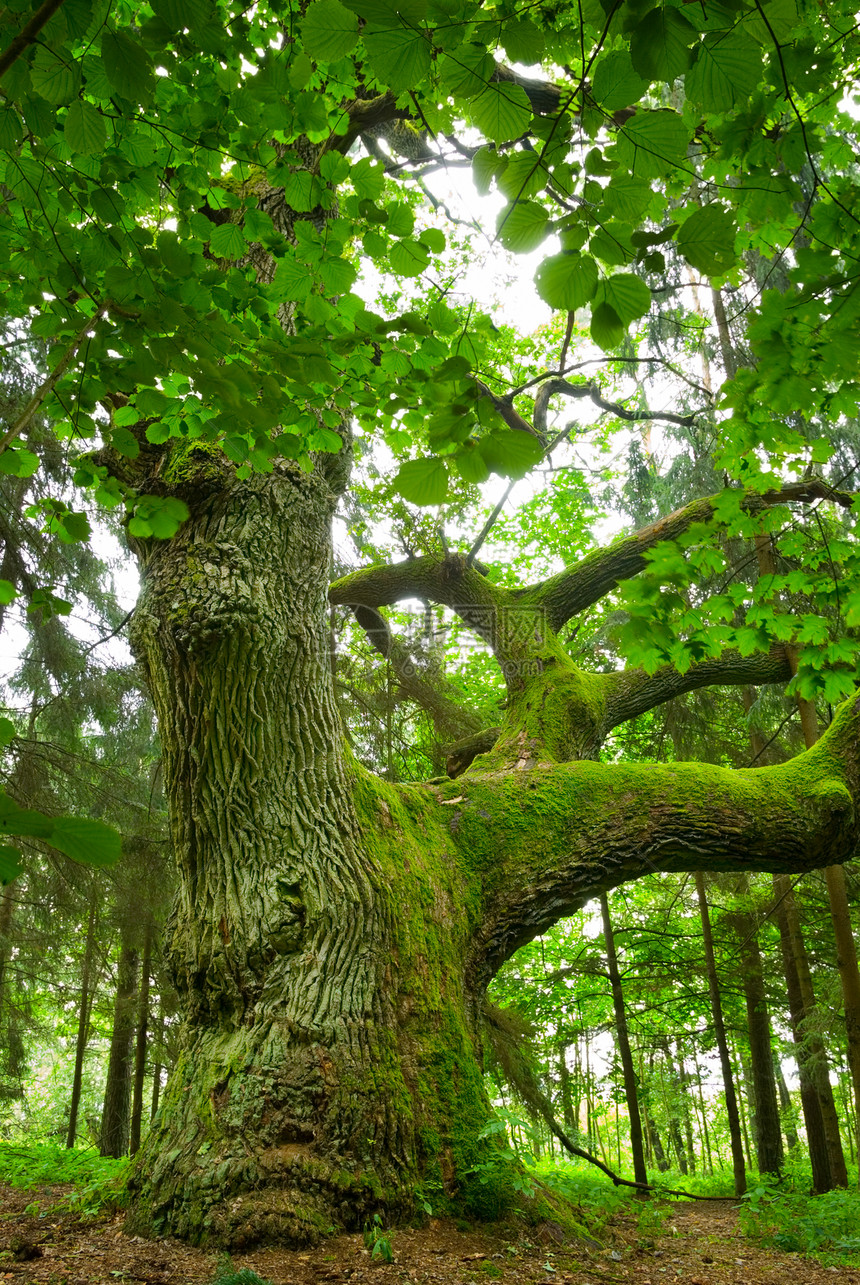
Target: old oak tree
189,192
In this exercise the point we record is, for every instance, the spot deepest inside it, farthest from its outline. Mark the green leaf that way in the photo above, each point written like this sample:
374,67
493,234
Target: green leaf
11,129
124,442
607,328
127,66
7,727
337,276
471,465
627,198
434,239
522,227
660,45
10,864
90,842
408,258
522,41
422,481
502,112
228,241
399,58
566,281
653,144
179,14
329,31
23,821
466,73
486,163
616,81
8,592
726,73
56,77
157,516
85,129
510,453
17,462
707,240
626,294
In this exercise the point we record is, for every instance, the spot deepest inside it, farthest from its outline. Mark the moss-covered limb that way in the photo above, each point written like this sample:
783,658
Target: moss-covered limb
428,686
463,754
587,581
631,692
447,580
548,838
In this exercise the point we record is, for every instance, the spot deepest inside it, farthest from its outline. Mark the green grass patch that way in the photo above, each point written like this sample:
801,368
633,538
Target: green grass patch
98,1182
826,1226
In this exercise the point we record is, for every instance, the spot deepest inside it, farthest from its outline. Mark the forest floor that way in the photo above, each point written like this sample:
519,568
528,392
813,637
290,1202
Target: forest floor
697,1244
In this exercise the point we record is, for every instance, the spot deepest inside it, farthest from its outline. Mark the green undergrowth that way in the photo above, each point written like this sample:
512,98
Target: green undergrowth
228,1275
786,1217
98,1182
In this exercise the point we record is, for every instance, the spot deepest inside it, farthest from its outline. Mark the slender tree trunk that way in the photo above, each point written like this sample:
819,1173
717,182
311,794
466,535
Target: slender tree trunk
787,1112
140,1043
704,1115
744,1099
818,1140
768,1136
157,1037
87,991
631,1090
849,974
113,1136
849,1119
564,1087
738,1167
683,1082
811,1053
670,1107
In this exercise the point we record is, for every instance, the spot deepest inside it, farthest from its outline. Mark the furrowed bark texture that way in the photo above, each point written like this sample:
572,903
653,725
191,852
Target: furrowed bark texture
328,1065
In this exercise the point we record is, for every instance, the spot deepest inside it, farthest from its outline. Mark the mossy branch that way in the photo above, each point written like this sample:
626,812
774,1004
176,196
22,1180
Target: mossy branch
549,837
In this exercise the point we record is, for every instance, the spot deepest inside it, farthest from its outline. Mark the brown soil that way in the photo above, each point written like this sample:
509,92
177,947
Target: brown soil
698,1245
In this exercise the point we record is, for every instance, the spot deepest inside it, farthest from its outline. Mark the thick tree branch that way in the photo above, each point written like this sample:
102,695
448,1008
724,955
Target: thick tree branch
551,837
430,690
572,591
632,692
449,581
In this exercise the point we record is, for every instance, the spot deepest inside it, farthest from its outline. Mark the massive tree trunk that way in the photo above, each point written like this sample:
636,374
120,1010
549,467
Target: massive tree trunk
319,937
333,935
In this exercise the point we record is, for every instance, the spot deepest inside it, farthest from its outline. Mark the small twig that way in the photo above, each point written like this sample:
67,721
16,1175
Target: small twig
27,35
